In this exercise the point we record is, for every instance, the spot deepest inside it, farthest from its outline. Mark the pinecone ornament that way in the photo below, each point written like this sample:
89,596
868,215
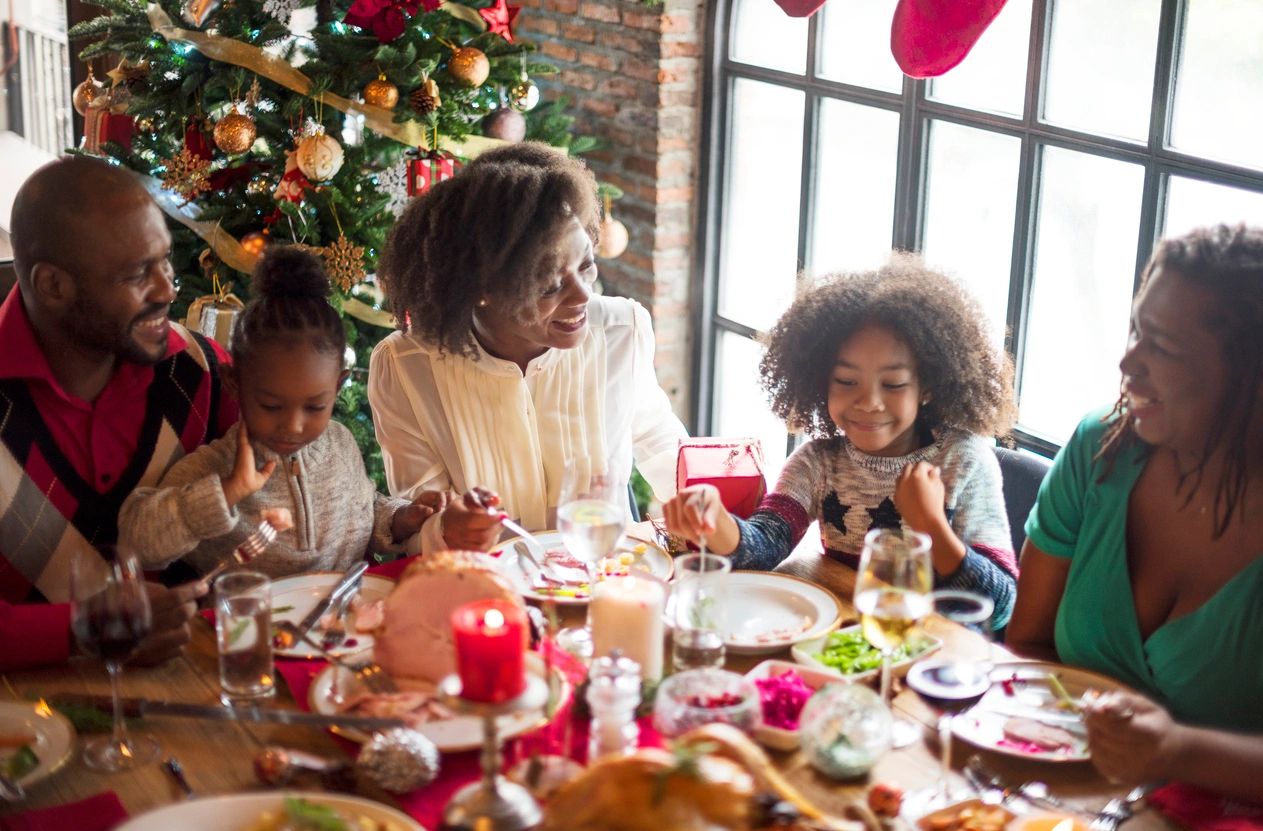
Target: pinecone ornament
425,99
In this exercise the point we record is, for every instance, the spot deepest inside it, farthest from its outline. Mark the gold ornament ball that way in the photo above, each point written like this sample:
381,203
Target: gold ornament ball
235,133
523,96
319,157
469,66
254,243
614,238
85,94
381,93
145,125
505,124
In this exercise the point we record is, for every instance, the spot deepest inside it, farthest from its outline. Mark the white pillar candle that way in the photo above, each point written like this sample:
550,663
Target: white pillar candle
626,613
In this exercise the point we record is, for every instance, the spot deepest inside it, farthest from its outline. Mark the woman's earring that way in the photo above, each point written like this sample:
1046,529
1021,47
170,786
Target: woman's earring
482,304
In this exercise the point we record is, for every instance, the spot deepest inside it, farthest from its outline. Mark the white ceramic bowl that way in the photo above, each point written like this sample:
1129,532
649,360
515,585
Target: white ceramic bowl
808,653
778,738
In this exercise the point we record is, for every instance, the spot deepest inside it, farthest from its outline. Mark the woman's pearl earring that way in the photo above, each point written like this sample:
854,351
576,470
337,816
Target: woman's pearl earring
482,304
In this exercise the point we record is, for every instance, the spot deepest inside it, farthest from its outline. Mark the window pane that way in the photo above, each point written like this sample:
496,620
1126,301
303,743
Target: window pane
971,193
741,405
1101,64
1085,264
993,75
1192,203
759,251
855,44
855,186
1220,82
764,35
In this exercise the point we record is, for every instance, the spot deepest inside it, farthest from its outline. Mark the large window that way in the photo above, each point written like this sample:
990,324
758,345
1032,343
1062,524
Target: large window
1039,172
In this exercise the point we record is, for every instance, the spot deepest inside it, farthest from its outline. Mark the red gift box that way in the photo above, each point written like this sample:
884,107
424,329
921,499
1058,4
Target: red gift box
427,168
734,466
100,125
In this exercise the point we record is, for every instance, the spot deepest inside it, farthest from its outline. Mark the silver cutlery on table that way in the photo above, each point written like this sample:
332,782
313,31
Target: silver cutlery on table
176,771
1120,809
335,633
1034,792
344,586
371,675
524,550
11,790
145,707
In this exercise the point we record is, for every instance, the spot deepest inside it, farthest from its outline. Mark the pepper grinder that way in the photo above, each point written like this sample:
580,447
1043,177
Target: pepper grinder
613,696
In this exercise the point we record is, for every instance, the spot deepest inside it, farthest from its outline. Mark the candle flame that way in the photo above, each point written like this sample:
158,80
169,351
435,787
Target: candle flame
42,709
493,619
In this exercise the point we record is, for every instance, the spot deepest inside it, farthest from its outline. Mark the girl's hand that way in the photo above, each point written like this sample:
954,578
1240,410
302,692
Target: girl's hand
694,512
245,478
409,519
919,496
1132,738
472,522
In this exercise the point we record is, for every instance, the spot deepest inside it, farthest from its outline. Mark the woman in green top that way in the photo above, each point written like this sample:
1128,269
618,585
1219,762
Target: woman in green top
1145,552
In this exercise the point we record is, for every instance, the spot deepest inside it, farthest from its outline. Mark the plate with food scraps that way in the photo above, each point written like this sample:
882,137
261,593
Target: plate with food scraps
417,704
1031,712
845,652
629,556
294,597
273,811
35,741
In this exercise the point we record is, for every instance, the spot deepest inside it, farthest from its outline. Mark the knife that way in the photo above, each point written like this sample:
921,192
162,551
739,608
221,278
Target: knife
140,707
344,585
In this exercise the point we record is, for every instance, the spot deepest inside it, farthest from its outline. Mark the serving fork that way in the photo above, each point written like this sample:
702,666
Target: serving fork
1120,809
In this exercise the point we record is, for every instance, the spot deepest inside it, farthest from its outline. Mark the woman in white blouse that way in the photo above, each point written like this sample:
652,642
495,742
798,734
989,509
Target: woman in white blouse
508,366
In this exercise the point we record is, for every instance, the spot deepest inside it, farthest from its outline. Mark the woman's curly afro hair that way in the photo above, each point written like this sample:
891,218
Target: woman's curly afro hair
970,381
490,232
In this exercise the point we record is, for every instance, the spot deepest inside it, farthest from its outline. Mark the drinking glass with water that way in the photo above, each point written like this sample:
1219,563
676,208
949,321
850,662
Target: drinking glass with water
699,611
243,625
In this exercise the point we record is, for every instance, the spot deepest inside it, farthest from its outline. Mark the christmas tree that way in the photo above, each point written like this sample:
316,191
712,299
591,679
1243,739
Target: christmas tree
251,131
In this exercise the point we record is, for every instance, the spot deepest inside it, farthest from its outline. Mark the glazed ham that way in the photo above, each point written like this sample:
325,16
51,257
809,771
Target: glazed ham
415,637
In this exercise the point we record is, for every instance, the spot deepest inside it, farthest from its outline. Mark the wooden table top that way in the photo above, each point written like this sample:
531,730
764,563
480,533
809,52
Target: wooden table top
217,756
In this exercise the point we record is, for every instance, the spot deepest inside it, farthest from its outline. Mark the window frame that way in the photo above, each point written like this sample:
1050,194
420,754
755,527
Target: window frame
917,111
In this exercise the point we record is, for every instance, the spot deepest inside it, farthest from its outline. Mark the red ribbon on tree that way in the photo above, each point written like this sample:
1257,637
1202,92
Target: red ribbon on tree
386,18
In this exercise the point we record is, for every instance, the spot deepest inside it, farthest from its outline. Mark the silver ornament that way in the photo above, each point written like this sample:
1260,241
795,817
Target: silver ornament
399,760
524,95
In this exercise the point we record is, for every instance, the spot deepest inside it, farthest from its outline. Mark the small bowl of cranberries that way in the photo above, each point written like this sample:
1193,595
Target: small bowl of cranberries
705,696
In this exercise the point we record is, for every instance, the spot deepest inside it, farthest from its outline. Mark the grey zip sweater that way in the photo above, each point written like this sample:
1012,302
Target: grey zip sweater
338,515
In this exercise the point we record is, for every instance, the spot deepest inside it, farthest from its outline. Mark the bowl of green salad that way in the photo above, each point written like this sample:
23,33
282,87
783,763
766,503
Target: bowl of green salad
845,652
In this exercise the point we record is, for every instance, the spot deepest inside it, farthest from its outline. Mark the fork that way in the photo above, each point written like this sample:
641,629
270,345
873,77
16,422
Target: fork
371,675
335,634
524,550
1119,810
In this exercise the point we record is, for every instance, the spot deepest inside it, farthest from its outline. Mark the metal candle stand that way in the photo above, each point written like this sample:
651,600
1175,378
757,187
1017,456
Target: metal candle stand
493,804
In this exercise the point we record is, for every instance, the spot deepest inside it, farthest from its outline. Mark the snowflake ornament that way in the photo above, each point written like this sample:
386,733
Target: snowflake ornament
281,9
393,182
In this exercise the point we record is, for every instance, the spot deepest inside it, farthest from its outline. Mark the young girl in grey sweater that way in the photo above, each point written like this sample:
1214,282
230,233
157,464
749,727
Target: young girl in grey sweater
285,453
895,372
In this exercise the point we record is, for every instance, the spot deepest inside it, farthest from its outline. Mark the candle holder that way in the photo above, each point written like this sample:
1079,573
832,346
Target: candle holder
494,803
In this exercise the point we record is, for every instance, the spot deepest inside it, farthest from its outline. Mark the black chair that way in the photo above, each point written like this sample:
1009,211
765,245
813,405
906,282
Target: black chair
1022,472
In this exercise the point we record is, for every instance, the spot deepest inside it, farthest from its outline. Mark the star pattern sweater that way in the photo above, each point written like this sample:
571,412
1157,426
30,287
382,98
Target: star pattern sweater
851,492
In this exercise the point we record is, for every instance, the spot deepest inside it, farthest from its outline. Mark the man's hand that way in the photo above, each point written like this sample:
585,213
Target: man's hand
472,522
409,519
172,610
245,478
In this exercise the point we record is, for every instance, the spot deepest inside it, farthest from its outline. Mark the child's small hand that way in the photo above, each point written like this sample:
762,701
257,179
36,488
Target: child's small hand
409,519
694,512
919,496
245,478
279,518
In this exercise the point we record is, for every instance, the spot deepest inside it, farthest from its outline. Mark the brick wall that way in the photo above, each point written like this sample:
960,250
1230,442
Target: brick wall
633,74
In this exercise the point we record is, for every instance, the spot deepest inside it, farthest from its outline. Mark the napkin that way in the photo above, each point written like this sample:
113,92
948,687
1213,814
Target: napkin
1203,810
96,813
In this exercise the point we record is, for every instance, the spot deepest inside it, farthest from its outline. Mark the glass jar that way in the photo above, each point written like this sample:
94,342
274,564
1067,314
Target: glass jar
845,729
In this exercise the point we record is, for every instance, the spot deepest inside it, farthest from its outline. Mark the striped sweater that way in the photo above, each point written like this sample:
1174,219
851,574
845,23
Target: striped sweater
851,492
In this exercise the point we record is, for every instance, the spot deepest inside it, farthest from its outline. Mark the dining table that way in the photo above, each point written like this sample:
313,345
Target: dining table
217,756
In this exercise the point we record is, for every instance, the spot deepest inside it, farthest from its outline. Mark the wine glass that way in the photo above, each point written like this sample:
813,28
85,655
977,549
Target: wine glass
953,685
110,616
892,594
591,515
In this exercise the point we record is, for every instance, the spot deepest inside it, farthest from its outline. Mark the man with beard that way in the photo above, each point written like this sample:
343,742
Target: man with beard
99,394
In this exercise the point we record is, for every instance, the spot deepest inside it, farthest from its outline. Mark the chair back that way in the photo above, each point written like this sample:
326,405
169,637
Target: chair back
1023,473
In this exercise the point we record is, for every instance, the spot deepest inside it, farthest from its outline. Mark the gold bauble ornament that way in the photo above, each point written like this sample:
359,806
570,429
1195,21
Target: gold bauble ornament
524,95
254,242
614,238
381,93
425,99
319,156
504,124
145,125
469,66
344,261
235,133
86,93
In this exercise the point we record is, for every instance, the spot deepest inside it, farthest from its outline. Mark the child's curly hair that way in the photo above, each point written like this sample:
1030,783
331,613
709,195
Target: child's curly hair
490,232
970,380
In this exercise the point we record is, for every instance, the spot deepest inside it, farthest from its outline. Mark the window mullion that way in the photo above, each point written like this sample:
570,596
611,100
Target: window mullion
808,170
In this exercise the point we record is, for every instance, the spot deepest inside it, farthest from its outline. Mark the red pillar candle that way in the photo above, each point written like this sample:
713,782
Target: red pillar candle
491,638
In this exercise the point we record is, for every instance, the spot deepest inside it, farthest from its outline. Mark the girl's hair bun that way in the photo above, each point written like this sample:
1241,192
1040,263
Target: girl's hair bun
289,271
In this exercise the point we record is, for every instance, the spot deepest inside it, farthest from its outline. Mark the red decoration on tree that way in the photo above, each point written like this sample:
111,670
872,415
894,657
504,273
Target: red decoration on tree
500,18
929,37
426,168
385,18
100,125
800,8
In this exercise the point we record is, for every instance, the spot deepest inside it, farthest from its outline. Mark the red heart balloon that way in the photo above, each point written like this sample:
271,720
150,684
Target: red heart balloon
929,37
800,8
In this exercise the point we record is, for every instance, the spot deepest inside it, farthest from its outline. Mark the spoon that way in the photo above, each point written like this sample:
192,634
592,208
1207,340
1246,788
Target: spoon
176,770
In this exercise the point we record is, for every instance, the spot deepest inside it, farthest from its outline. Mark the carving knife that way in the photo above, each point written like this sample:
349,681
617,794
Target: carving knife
143,707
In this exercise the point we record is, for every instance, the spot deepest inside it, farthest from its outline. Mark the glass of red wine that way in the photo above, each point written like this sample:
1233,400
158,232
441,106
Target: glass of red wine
953,685
110,616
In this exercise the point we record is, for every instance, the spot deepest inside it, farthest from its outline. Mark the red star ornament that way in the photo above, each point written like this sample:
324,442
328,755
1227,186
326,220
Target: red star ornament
500,18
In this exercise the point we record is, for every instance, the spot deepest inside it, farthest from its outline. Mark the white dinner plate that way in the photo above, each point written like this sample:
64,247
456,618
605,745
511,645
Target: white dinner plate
449,735
808,652
239,811
1021,690
768,611
645,557
52,737
298,595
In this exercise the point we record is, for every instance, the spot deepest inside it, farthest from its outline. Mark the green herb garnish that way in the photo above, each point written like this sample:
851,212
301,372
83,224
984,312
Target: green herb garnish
849,653
21,763
282,609
1064,701
309,815
238,629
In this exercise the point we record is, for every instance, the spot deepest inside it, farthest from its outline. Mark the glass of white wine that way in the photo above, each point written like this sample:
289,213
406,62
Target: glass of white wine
892,595
591,515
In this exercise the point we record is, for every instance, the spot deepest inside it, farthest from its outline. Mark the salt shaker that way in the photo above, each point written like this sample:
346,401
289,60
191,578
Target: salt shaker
613,696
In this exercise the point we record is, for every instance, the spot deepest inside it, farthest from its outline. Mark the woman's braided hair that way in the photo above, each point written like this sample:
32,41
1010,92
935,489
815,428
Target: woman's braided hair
490,232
